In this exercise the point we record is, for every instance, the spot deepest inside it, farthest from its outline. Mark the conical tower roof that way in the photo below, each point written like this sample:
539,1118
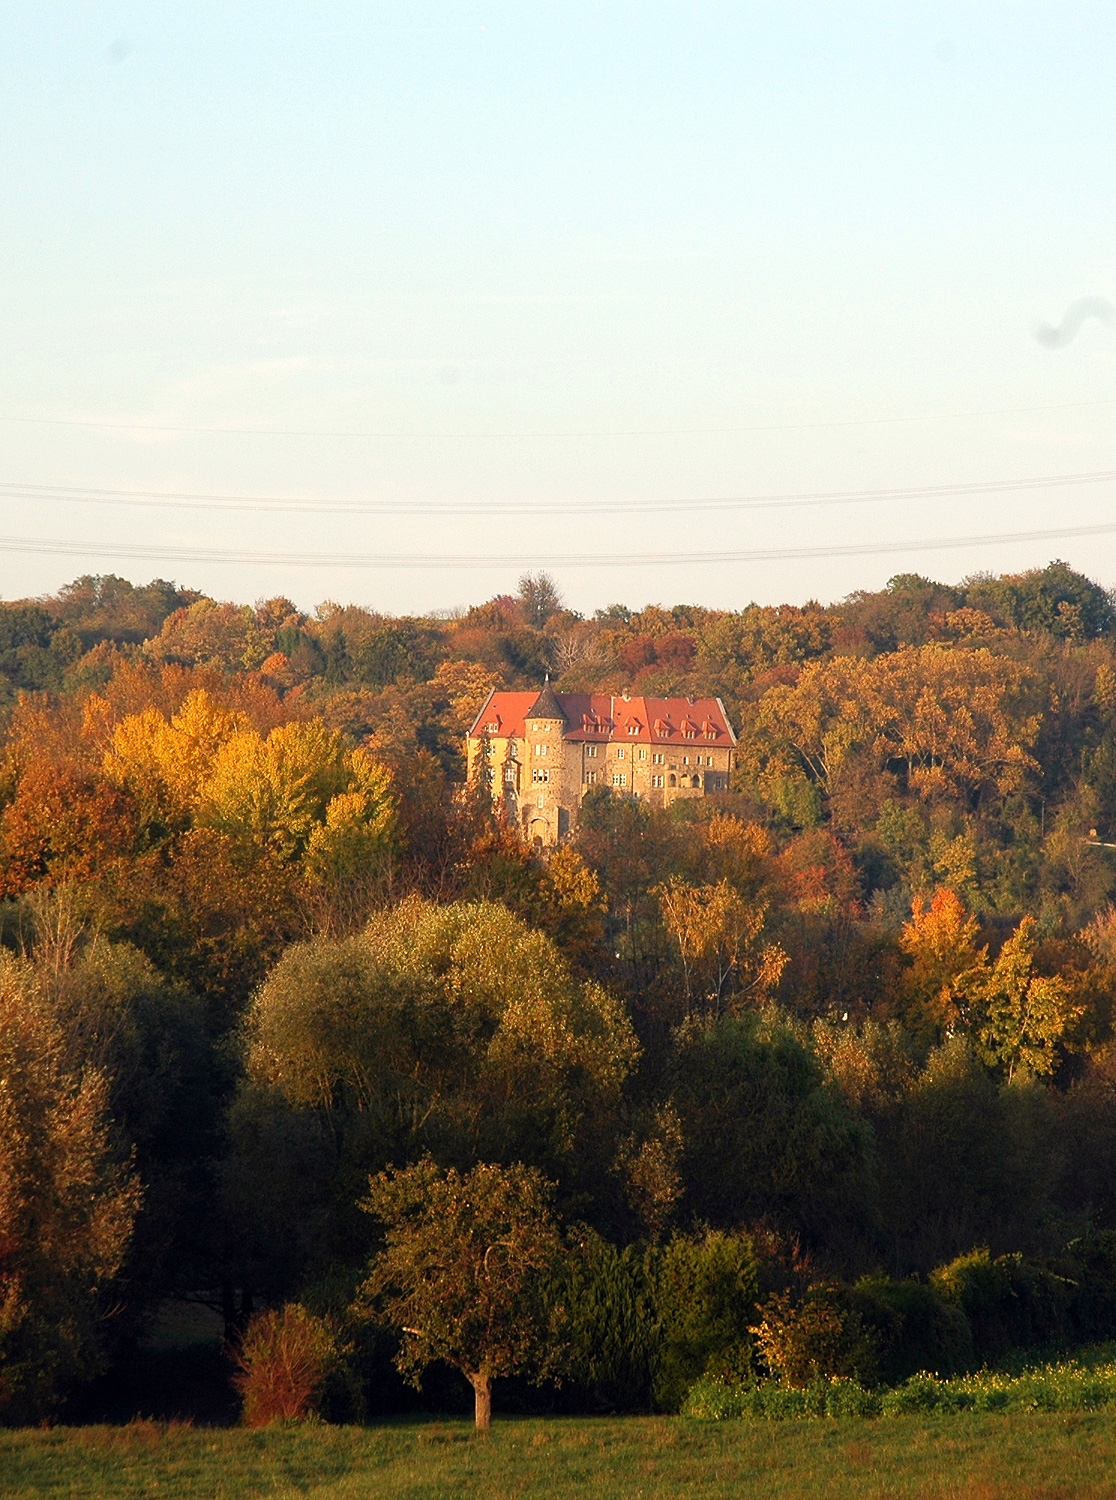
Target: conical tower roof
546,705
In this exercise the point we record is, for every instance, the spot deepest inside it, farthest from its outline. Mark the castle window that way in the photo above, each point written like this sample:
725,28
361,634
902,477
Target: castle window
591,751
643,755
542,749
590,778
619,779
656,781
657,759
540,775
620,752
673,780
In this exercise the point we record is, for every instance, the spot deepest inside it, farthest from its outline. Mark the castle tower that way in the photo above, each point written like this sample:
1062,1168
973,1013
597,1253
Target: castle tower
545,799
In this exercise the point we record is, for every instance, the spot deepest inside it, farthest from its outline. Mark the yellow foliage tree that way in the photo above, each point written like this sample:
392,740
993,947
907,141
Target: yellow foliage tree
300,793
740,853
274,792
1025,1015
163,762
718,935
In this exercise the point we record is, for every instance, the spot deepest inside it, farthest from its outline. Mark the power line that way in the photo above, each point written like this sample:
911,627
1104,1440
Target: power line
157,500
423,437
85,548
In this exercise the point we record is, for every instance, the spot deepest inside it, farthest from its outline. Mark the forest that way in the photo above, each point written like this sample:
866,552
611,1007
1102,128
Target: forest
814,1078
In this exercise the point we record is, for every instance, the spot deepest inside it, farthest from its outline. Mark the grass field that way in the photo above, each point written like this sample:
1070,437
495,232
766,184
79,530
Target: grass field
1032,1456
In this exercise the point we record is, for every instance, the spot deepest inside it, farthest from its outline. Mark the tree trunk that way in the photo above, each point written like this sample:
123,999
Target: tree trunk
482,1390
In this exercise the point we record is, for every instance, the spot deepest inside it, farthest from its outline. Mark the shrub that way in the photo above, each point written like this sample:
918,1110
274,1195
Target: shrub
706,1291
821,1336
914,1326
611,1330
1071,1385
284,1365
1091,1265
1066,1386
1010,1303
718,1400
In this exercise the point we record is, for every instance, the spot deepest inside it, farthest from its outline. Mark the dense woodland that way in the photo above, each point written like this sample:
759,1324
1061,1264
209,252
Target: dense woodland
817,1076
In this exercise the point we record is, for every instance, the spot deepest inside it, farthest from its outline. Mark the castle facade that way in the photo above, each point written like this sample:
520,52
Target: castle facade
541,752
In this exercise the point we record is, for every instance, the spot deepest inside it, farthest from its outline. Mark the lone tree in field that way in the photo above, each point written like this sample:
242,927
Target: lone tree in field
462,1271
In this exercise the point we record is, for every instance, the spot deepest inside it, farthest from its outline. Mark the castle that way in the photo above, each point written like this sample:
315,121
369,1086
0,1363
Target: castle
541,752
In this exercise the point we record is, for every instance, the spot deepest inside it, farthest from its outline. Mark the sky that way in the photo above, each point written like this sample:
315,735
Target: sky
533,285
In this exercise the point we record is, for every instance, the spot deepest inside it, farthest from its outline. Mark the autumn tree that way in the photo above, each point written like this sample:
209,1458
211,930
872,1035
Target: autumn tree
300,799
208,632
718,936
934,721
1024,1016
462,1271
940,940
764,636
66,1209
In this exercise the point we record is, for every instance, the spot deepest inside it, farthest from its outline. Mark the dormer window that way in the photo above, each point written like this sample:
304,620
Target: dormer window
491,728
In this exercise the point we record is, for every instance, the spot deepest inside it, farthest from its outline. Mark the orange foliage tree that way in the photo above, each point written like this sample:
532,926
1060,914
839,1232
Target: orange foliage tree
940,722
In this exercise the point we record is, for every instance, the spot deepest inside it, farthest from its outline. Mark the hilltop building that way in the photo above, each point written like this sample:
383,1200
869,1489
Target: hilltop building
541,752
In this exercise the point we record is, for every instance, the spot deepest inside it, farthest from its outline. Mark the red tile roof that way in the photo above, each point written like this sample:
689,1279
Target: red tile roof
599,716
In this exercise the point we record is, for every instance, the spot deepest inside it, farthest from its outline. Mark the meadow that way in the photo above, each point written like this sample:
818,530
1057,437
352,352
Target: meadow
971,1456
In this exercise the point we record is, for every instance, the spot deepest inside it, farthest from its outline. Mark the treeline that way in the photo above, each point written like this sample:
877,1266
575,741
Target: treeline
810,1043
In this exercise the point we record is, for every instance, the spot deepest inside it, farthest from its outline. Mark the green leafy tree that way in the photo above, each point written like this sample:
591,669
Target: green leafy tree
462,1272
706,1289
961,1161
765,1137
455,1027
611,1330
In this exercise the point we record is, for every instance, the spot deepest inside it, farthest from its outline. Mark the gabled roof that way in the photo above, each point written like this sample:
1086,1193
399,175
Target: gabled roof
603,717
